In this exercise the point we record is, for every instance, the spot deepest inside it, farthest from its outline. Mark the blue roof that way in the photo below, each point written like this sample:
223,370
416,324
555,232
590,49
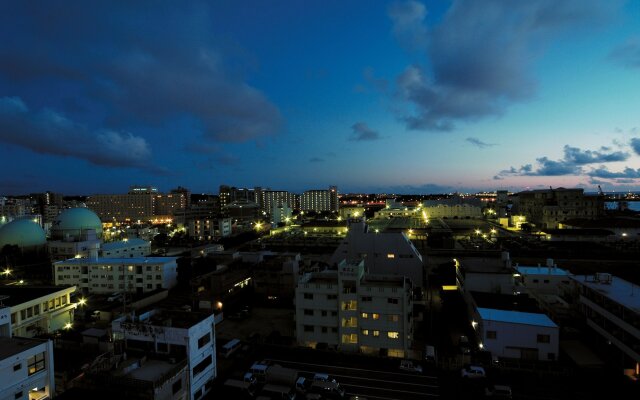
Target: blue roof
542,271
516,317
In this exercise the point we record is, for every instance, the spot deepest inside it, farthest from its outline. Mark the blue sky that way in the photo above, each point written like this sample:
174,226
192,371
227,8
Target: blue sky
401,96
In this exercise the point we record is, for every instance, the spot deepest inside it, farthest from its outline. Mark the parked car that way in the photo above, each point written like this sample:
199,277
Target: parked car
472,371
498,392
323,378
409,366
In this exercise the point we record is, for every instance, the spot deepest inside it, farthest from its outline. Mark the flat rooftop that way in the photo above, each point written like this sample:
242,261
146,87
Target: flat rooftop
618,290
169,318
21,294
123,244
151,370
524,270
11,346
107,261
516,317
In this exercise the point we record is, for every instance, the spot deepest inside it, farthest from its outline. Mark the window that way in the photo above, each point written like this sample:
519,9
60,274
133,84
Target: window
365,332
29,312
391,255
364,315
308,296
393,335
18,395
375,316
334,313
376,333
352,338
202,365
334,329
535,281
393,318
35,363
332,296
308,328
544,338
492,335
308,311
323,313
17,367
204,340
392,300
177,386
23,314
324,329
366,298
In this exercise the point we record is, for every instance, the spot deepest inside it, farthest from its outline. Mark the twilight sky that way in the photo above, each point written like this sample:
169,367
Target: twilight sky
401,96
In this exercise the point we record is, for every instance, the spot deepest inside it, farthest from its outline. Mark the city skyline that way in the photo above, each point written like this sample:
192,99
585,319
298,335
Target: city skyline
401,96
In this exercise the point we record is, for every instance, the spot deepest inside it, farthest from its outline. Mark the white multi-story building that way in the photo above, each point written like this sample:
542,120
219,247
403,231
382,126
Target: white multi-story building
26,365
131,248
38,310
353,311
611,306
384,253
319,200
209,228
516,334
186,335
276,198
108,275
548,280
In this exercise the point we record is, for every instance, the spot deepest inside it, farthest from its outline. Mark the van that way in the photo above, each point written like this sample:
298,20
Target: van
430,354
259,371
231,347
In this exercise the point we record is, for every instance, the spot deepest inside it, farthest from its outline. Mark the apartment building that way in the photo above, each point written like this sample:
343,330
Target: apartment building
548,208
26,365
320,200
108,275
353,311
611,307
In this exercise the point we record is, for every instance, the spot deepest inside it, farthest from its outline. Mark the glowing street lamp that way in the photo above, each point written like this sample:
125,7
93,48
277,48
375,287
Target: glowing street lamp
6,272
82,301
67,326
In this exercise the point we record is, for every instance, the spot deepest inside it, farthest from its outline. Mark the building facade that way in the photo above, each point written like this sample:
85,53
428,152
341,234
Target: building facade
549,207
109,275
352,311
320,200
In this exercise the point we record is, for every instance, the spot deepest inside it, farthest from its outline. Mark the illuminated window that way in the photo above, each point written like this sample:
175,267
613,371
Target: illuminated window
35,363
393,318
375,316
391,255
393,335
364,315
352,338
365,332
376,333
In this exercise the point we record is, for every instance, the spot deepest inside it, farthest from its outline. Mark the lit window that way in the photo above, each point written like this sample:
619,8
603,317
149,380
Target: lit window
375,316
393,335
365,332
364,315
391,255
376,333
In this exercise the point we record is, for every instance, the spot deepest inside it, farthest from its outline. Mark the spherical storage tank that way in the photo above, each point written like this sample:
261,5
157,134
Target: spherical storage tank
22,233
74,222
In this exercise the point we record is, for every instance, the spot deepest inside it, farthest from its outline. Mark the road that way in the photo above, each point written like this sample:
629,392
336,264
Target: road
373,384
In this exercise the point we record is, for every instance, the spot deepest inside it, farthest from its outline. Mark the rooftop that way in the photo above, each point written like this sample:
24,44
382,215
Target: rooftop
508,302
21,294
516,317
11,346
540,270
131,260
124,244
617,289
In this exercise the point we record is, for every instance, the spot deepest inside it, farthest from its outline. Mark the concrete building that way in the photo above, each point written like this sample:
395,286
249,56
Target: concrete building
349,212
137,204
276,198
209,229
26,365
548,208
611,307
38,310
548,279
175,344
109,275
132,248
320,200
281,214
354,311
275,276
384,253
170,204
519,335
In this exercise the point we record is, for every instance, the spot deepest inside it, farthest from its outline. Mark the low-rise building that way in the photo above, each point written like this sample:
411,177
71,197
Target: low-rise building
26,365
611,307
38,310
108,275
353,311
131,248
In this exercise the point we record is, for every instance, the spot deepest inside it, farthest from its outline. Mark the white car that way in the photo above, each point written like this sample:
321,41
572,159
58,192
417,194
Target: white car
409,366
472,371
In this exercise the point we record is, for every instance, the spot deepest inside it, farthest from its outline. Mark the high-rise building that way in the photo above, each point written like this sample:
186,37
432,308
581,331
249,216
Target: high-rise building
276,198
320,200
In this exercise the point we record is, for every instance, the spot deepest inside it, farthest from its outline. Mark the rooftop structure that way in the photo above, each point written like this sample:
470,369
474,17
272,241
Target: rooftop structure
74,222
515,317
23,233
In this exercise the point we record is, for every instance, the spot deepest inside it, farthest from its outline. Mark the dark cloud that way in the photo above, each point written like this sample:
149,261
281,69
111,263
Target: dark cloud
49,132
571,164
316,160
479,143
497,178
361,132
627,54
149,62
604,173
635,145
480,55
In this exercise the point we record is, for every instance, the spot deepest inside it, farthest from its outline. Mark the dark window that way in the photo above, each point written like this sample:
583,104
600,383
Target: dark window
324,329
332,296
308,311
308,296
308,328
177,385
551,356
323,313
366,298
18,395
36,363
492,334
334,329
17,367
544,338
204,340
392,300
201,366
